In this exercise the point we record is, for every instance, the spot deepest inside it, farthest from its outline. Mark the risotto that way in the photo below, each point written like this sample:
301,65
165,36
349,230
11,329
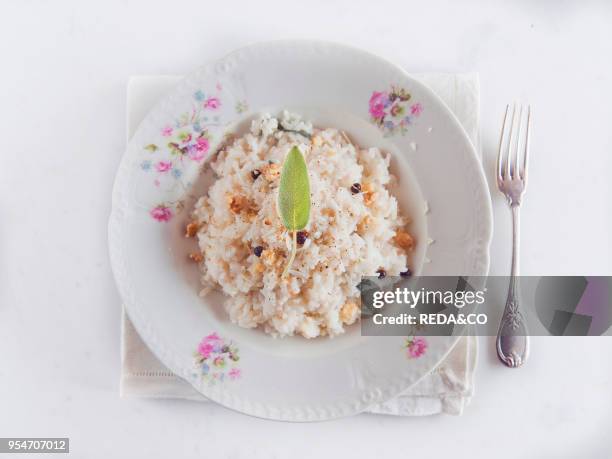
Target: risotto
355,229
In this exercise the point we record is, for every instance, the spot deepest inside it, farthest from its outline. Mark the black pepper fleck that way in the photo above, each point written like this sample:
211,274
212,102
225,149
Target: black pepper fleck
257,251
255,174
381,273
356,188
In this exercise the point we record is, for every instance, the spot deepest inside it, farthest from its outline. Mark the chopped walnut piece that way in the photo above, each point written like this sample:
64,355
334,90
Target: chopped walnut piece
368,193
196,256
239,204
191,229
327,239
349,312
271,171
328,212
235,204
259,267
404,240
268,256
362,226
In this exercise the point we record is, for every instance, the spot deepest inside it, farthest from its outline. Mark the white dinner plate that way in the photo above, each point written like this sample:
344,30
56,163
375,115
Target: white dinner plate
441,187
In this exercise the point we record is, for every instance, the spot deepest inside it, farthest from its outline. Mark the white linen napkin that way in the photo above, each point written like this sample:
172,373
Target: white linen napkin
447,389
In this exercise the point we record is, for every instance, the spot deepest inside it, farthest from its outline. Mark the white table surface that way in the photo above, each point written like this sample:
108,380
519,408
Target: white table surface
62,119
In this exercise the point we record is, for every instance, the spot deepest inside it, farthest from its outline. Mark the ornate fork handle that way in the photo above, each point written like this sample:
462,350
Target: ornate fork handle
511,174
512,339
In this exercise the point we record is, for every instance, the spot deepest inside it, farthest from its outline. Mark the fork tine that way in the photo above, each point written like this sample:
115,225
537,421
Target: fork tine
516,163
512,140
526,148
500,153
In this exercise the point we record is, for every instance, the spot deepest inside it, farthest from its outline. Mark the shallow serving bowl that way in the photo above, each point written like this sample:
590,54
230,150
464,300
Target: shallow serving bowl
441,186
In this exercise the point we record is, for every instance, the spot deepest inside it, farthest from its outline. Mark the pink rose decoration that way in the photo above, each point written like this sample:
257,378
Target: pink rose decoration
163,166
213,103
217,359
205,349
416,109
167,131
212,337
161,213
417,347
378,102
202,144
197,151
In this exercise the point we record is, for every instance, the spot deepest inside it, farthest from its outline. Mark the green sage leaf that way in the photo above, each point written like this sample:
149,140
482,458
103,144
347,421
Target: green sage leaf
294,192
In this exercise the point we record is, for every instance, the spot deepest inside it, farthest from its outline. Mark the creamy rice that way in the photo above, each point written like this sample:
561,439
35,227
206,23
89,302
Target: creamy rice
351,232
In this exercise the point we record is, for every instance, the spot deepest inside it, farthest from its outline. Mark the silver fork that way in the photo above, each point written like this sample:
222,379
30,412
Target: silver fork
512,340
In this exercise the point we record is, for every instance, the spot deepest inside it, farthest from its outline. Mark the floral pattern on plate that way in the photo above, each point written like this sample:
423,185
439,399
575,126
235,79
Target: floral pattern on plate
415,347
217,360
185,140
393,111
